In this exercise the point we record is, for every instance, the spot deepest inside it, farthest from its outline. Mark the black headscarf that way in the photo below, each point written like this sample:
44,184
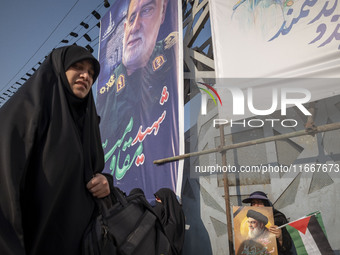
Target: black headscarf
172,217
72,55
50,145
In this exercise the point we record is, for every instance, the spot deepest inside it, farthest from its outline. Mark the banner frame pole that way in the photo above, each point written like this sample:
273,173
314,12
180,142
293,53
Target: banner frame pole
226,193
308,131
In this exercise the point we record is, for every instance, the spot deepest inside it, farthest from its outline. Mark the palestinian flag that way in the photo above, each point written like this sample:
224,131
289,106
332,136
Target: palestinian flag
309,236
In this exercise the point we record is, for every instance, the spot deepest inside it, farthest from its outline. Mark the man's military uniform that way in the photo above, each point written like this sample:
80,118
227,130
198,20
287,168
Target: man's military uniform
137,98
125,94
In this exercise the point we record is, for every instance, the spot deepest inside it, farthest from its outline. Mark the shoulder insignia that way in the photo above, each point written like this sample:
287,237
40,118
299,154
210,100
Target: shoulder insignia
108,85
170,40
120,82
158,62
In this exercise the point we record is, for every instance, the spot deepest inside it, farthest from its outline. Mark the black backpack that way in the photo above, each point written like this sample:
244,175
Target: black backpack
125,225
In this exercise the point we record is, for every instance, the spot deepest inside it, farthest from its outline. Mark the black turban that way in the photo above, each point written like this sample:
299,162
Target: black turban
257,216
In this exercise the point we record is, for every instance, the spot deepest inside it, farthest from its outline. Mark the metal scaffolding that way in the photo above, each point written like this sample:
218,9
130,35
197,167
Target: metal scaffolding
310,130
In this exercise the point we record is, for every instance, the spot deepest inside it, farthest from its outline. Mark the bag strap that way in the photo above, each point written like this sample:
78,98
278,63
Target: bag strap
147,222
106,203
119,196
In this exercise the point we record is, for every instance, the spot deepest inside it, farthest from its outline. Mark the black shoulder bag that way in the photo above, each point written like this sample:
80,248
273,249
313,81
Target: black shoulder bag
125,225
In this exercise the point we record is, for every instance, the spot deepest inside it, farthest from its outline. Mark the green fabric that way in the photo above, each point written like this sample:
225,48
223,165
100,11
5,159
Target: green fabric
299,245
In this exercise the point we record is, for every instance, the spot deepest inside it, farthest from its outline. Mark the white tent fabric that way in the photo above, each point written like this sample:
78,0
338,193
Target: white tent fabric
276,39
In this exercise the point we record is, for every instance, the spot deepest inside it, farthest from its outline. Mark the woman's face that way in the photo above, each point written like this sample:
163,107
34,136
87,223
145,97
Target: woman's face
80,77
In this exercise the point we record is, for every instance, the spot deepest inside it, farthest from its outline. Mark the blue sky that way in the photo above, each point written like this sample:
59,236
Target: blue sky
26,28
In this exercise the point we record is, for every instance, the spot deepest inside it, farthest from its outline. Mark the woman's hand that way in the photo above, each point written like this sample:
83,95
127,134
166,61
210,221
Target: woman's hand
277,232
98,186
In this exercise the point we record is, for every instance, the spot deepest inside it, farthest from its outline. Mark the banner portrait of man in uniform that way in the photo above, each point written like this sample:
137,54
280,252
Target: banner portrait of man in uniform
138,93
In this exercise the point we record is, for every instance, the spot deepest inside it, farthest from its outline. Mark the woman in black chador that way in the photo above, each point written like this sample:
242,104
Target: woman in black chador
50,148
170,212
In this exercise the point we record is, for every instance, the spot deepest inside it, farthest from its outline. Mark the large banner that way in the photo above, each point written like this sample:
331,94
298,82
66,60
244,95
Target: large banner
139,95
277,39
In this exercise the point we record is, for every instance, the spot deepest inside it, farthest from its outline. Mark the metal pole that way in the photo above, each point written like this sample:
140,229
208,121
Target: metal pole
324,128
226,194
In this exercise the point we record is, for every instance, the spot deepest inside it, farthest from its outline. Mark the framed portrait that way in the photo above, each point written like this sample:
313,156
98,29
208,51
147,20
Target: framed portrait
251,230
